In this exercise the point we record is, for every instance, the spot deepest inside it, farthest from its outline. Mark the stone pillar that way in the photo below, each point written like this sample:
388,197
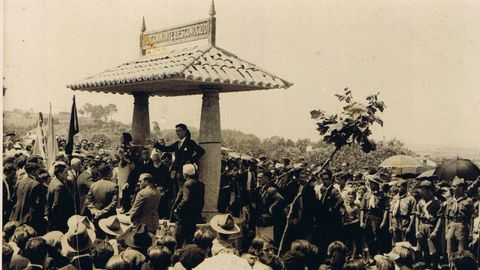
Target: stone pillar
210,140
141,119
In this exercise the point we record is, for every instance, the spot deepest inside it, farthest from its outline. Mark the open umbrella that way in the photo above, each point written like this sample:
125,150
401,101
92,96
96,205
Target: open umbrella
403,164
426,175
463,168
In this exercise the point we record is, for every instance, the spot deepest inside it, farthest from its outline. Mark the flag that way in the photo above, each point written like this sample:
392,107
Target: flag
52,144
72,129
40,147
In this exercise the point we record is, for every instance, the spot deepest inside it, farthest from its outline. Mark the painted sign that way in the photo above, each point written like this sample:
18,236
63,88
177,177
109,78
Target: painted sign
179,34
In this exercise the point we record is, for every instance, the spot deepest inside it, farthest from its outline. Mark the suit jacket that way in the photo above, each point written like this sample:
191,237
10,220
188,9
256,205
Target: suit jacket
329,206
60,205
189,151
103,196
84,181
18,262
7,199
82,262
29,202
189,202
144,208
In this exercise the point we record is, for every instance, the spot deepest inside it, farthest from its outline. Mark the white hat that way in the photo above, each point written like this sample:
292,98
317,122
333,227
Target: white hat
224,224
189,169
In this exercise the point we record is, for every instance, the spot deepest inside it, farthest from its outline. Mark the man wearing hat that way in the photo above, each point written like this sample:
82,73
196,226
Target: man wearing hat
187,209
373,218
428,223
402,213
225,226
77,243
459,213
29,199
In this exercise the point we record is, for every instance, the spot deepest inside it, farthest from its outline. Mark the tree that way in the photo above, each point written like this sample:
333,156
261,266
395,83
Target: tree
98,112
351,127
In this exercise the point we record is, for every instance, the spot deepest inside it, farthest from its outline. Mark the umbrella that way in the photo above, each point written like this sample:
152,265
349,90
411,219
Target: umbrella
426,175
403,164
463,168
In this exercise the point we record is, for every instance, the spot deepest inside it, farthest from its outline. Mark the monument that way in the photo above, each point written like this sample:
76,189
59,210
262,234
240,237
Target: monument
164,69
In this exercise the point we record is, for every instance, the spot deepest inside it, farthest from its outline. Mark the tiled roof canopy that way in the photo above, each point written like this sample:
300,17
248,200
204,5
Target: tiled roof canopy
182,72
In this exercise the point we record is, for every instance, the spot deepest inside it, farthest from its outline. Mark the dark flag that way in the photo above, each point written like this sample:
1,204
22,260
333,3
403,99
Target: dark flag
72,129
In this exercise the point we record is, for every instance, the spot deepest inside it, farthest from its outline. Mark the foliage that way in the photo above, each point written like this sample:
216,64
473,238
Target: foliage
98,111
353,124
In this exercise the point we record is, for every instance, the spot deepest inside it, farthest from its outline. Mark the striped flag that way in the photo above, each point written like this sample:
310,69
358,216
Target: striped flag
40,147
73,129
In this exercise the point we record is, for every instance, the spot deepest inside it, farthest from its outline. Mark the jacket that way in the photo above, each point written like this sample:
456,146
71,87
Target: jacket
188,152
189,203
29,202
84,181
144,208
102,197
60,205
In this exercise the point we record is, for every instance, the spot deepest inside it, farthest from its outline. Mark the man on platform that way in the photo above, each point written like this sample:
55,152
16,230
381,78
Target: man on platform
188,206
186,151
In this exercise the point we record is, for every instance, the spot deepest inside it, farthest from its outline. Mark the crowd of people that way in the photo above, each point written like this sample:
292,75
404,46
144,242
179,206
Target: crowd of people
100,208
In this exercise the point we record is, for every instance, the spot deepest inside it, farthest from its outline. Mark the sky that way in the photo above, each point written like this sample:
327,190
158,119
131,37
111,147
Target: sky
423,57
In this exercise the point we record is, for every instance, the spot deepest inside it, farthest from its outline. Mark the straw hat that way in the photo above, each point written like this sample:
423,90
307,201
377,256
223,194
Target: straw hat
112,226
224,224
137,237
75,219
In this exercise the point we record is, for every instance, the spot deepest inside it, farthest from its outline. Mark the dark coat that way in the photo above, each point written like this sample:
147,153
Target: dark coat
8,189
103,196
188,152
189,203
60,205
84,181
29,202
144,208
82,262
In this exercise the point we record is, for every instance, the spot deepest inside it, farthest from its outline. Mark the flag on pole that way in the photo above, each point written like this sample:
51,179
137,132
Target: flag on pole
72,129
40,147
52,144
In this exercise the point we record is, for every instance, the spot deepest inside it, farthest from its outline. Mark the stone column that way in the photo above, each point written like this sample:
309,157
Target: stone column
210,140
141,119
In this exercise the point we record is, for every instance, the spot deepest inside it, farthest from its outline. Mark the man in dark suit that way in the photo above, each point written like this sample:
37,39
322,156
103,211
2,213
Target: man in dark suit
145,207
36,253
186,150
142,165
103,195
29,199
328,218
9,174
188,206
60,204
84,181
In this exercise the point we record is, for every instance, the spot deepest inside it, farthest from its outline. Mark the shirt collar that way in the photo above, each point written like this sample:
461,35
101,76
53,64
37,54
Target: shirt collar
35,265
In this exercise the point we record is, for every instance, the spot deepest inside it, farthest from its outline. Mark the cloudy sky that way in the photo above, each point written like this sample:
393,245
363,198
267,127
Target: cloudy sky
422,56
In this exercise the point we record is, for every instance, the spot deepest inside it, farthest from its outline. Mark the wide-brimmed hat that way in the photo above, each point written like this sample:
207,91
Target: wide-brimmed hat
137,237
78,239
426,184
75,219
224,224
112,226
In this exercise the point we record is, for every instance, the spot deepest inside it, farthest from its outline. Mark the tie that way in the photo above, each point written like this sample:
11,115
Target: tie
371,202
396,206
